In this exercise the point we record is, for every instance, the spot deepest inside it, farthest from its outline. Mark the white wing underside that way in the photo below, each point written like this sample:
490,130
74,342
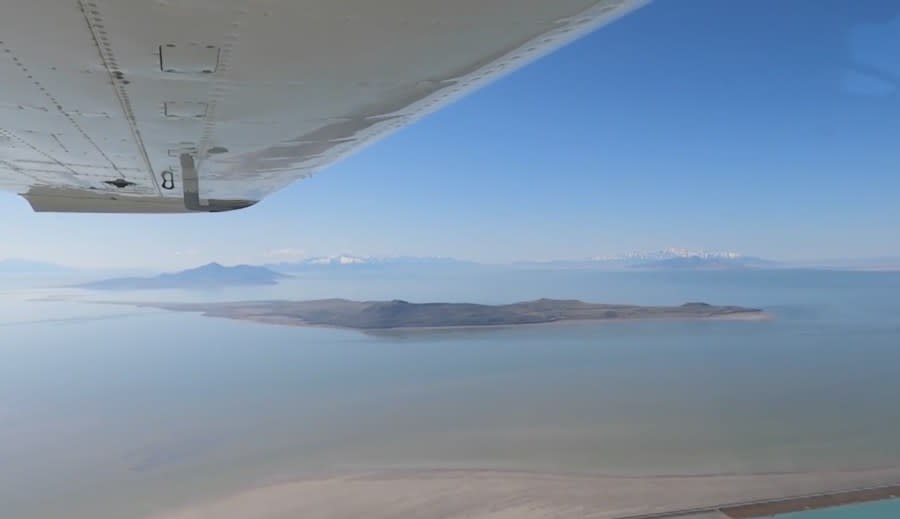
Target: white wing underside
208,105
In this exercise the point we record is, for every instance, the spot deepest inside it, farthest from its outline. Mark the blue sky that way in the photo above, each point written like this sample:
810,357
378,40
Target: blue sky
767,127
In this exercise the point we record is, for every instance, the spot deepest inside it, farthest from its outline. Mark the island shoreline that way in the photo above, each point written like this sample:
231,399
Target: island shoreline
761,316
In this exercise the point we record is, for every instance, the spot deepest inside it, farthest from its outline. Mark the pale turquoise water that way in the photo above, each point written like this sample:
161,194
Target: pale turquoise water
876,510
106,408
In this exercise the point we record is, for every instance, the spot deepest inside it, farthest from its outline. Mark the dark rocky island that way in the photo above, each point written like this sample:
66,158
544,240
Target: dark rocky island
381,315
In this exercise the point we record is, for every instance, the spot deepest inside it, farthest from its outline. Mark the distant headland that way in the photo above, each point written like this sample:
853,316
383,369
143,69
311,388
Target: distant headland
384,315
212,275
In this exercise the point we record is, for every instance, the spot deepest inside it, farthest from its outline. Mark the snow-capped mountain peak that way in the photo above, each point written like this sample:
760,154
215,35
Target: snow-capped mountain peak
343,259
669,253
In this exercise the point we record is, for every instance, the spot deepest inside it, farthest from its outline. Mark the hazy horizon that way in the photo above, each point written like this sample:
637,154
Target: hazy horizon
297,256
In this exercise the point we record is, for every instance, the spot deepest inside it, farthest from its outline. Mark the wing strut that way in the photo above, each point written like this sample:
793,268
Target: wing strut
190,182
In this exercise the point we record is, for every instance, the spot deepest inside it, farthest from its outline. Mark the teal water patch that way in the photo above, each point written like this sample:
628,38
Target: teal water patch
874,510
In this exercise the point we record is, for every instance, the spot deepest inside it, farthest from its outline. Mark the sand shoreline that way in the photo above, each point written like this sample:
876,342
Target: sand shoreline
498,494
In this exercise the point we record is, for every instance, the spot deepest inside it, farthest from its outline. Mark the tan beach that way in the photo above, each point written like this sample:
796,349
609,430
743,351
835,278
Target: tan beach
408,494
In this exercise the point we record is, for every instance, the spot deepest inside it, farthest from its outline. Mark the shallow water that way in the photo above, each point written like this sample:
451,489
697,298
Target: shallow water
875,510
108,408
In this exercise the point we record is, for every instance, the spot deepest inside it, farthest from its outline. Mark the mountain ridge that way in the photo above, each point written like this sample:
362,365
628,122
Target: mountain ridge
211,275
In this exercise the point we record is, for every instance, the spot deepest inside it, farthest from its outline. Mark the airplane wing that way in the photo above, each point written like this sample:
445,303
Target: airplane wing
210,105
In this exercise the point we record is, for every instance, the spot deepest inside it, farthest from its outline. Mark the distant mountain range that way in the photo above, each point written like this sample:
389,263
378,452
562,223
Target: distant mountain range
212,275
685,259
670,253
708,263
342,259
346,261
666,259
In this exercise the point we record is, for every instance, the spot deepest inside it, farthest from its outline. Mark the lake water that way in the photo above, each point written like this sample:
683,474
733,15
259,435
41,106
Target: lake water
114,411
876,510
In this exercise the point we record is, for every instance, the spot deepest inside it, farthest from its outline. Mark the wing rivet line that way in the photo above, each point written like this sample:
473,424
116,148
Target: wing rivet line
54,102
95,23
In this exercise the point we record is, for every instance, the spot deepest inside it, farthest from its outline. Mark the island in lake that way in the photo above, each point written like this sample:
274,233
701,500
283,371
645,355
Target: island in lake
383,315
212,275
